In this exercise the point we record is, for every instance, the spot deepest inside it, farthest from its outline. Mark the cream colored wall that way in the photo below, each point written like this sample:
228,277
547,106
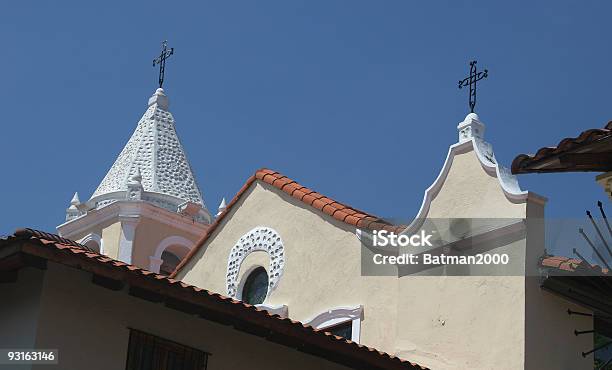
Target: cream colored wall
108,230
466,322
470,192
550,330
89,324
461,322
445,322
149,234
322,268
487,322
548,327
111,236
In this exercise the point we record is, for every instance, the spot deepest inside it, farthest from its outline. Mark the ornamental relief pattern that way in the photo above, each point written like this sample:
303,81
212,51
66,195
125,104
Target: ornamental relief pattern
154,149
259,239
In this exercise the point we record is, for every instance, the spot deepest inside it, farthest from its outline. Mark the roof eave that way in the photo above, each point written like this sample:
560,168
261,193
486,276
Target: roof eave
27,249
589,152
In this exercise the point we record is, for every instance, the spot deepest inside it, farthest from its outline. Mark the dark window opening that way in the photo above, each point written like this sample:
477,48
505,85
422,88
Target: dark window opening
170,262
148,352
344,330
256,287
93,245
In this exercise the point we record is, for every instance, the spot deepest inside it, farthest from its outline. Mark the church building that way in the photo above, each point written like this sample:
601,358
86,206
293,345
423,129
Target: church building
144,276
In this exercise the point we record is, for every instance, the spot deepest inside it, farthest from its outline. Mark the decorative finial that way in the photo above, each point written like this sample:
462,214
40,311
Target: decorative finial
137,177
74,210
471,82
159,98
222,207
134,186
161,60
75,199
471,127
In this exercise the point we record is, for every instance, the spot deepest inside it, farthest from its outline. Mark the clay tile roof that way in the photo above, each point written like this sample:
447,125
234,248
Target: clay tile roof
559,159
331,207
48,238
50,247
571,265
319,201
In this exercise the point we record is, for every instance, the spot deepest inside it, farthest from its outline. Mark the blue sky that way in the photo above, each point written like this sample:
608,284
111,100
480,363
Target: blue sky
356,99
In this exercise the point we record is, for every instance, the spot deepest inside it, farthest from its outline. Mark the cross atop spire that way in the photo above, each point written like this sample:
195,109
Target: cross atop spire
471,82
161,60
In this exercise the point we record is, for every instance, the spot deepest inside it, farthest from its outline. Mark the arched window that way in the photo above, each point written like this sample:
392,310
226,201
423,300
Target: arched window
255,287
170,261
93,242
342,321
169,253
93,245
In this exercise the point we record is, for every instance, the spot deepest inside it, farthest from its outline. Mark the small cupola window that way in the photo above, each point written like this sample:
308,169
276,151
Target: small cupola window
255,287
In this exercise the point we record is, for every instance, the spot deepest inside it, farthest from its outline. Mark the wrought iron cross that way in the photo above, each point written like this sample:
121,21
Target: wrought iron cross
161,60
471,82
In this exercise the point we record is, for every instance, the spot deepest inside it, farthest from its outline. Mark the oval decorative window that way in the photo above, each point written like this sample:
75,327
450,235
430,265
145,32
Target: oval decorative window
259,239
255,287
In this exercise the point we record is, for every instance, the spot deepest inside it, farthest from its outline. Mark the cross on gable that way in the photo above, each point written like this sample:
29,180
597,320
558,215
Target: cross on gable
471,80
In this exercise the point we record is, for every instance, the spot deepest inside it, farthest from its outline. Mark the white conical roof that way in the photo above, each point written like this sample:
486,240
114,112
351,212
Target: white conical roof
155,154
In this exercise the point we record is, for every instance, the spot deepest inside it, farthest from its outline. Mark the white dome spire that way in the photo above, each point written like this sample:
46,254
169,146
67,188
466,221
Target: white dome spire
153,157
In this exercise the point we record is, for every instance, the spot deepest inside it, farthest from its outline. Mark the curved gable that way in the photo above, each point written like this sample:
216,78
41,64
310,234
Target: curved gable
472,184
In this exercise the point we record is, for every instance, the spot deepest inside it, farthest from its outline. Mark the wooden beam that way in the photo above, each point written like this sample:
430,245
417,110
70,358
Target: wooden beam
594,161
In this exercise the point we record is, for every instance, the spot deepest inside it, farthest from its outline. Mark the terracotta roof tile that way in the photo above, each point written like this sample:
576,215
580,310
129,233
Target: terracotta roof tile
567,264
310,191
282,182
329,206
524,163
308,199
350,219
39,243
328,209
340,214
290,188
